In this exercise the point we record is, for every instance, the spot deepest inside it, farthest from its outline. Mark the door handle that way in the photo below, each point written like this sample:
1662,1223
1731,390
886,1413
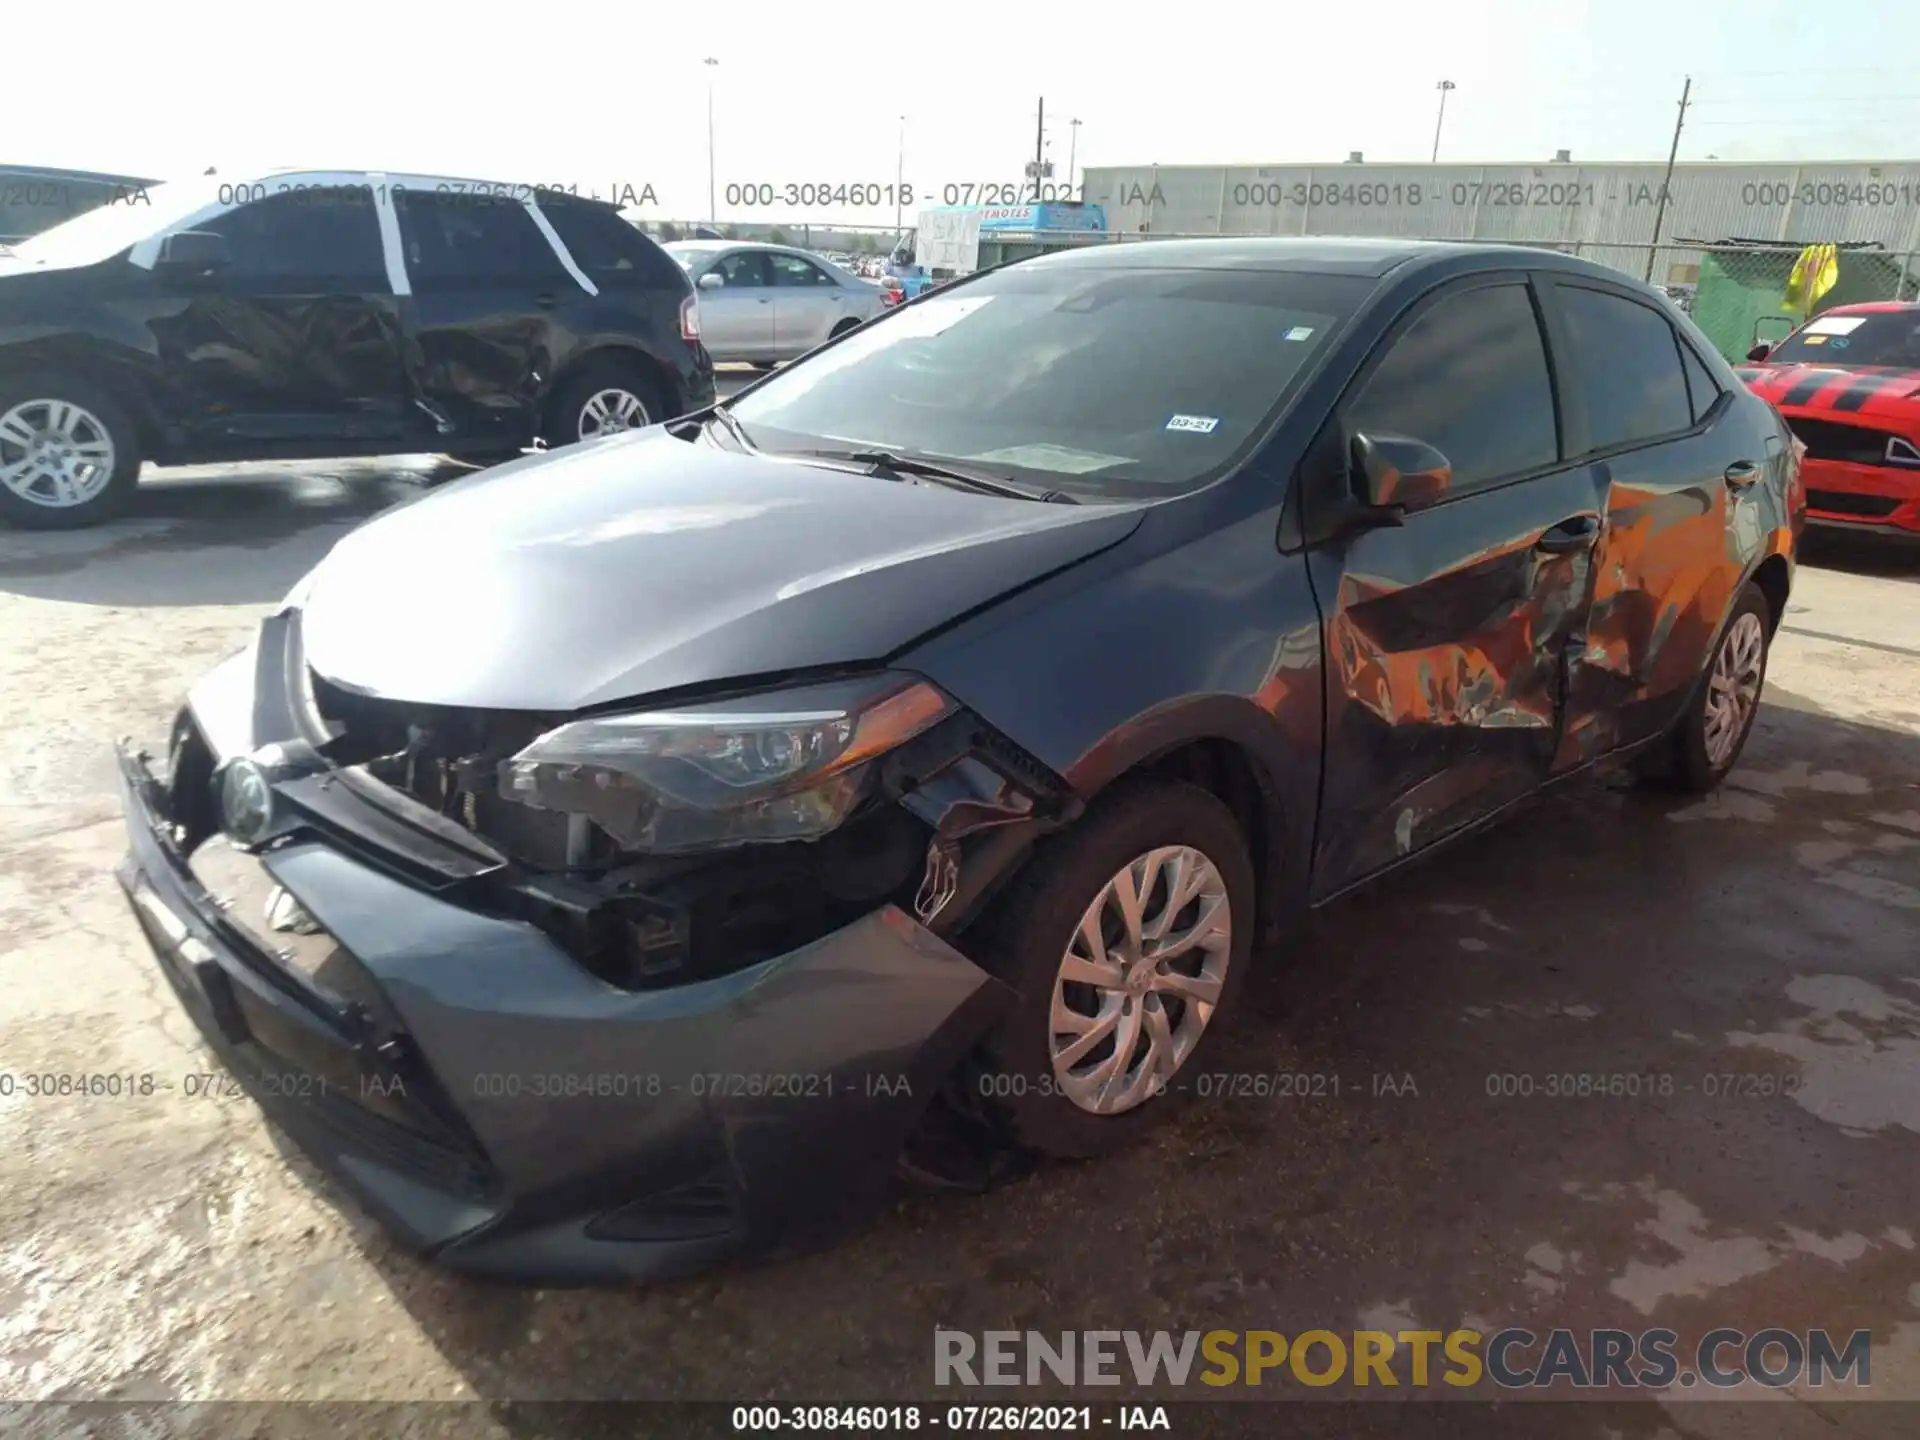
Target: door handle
1742,473
546,302
1570,536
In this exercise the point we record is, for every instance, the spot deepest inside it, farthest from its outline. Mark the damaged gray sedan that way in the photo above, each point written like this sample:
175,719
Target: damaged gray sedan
638,855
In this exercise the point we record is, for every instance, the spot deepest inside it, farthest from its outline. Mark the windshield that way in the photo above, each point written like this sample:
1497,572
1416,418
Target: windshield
690,255
1889,337
1118,382
90,238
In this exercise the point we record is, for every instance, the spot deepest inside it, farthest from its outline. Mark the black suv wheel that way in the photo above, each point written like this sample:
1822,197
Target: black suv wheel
604,398
69,456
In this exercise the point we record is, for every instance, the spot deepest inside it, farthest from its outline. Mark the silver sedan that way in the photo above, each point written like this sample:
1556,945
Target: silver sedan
768,303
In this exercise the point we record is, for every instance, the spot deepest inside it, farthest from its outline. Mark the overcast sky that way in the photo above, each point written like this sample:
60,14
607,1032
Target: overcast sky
606,95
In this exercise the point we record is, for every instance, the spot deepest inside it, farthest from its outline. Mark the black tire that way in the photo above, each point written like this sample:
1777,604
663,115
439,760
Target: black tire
1025,936
764,364
1681,761
570,399
24,514
842,328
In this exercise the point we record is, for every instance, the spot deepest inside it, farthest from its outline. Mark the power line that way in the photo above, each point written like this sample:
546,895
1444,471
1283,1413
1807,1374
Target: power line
1801,72
1825,104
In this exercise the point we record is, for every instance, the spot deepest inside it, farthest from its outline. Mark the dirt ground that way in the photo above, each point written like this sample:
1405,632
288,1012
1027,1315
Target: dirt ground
1758,947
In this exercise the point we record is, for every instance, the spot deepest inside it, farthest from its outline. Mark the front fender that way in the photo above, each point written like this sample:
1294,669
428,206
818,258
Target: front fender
1113,664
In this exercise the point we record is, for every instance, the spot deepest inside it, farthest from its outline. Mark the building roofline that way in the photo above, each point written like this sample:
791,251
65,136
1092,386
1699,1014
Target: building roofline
1503,164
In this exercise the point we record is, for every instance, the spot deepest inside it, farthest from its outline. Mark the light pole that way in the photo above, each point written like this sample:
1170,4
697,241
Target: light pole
900,172
1443,87
713,208
1073,149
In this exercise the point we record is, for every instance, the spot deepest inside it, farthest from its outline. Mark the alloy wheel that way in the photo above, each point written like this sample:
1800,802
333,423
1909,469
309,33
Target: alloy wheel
611,411
55,453
1733,689
1140,979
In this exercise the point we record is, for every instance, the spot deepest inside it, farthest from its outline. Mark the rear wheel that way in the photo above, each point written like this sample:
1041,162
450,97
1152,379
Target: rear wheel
1707,742
607,397
842,328
69,455
1124,941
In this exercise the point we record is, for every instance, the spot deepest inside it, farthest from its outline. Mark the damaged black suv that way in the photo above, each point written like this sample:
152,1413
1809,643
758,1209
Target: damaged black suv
636,852
316,314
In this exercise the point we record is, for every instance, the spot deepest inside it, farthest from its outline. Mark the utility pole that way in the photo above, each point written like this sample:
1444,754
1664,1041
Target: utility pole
1039,149
1443,87
713,208
1660,213
900,172
1073,150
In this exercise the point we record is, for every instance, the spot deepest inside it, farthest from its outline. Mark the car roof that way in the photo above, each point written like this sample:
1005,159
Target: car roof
1338,255
54,172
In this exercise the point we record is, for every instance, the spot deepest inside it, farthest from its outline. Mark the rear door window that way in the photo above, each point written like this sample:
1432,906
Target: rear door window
466,239
791,270
1628,361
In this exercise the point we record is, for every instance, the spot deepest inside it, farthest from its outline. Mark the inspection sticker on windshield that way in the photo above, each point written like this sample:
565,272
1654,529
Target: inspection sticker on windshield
1836,325
1300,332
1196,424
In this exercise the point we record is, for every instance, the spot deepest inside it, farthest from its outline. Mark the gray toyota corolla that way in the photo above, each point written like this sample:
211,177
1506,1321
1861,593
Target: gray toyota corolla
639,854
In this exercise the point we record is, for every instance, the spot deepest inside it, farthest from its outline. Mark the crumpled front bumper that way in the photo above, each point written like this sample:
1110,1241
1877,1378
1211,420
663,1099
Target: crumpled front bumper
498,1107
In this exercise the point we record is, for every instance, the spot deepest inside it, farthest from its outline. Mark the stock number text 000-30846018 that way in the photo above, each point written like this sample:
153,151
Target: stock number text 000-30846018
813,194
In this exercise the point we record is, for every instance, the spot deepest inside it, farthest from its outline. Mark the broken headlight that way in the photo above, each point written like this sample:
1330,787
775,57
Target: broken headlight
790,765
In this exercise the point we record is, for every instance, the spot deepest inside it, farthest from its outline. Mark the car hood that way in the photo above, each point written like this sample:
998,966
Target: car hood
639,564
1874,391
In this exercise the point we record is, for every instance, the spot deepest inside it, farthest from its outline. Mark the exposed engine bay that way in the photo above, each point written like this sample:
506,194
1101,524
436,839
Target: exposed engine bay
924,838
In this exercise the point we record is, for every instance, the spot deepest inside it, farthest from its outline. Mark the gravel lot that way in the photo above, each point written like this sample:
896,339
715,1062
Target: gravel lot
163,1248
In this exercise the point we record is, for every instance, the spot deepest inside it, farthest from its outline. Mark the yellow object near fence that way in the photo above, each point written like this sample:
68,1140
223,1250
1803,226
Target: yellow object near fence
1814,274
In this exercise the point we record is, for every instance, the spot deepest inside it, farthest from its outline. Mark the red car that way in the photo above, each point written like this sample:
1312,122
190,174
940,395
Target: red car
1848,383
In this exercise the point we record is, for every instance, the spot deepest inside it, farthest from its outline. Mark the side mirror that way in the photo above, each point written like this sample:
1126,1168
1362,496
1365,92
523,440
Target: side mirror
1760,351
1399,471
194,250
712,280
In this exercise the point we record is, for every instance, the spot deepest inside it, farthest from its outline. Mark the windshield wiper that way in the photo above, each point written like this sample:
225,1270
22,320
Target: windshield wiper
725,420
970,479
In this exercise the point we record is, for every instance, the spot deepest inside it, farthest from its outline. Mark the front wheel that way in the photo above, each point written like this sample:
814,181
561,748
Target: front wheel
69,455
1708,740
1124,941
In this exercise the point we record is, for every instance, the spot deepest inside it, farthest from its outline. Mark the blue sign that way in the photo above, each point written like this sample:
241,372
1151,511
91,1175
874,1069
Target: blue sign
1080,219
